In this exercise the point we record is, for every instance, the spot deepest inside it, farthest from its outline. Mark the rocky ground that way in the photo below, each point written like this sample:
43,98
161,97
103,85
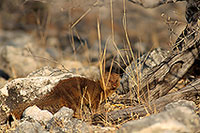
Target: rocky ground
42,43
180,116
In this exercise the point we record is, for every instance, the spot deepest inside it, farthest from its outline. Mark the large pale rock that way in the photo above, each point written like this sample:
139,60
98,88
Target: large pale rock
35,85
179,117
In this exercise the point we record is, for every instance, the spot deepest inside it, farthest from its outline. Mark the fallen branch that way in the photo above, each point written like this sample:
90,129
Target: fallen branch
156,83
115,117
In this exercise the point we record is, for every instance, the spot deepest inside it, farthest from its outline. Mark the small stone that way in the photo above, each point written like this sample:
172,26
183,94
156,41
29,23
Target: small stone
35,113
62,121
64,111
63,115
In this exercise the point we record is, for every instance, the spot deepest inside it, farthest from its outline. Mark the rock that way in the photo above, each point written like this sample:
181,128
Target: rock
178,117
62,121
43,116
35,85
29,127
3,115
140,68
64,114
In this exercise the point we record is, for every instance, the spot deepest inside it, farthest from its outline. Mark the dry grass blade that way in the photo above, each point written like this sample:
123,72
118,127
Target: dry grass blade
138,111
155,84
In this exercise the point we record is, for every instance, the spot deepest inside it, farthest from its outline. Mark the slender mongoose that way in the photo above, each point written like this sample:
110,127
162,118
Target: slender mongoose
76,93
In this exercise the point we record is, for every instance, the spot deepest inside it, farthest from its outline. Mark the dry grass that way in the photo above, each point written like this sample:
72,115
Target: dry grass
43,27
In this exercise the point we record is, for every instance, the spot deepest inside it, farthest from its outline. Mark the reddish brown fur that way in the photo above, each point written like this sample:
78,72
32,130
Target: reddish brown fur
70,92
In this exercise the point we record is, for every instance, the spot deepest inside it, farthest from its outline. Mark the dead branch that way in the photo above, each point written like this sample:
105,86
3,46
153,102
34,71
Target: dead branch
162,78
155,85
153,3
115,117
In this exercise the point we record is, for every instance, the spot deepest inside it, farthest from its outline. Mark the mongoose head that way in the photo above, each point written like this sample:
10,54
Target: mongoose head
110,82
